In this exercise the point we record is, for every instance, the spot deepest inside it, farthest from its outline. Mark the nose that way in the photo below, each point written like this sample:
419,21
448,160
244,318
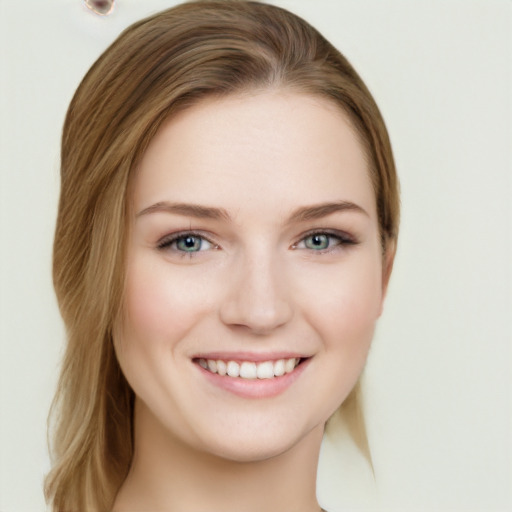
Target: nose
257,296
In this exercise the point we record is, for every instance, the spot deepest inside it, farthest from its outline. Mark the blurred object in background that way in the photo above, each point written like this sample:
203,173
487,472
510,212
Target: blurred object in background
101,7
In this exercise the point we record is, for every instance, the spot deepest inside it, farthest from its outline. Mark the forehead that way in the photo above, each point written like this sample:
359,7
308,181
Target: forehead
273,149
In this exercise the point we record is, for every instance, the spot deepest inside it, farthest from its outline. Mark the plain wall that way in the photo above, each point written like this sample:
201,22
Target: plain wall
438,380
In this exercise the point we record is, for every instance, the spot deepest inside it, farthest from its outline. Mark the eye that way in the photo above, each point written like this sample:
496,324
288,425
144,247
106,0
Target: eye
186,243
318,241
323,241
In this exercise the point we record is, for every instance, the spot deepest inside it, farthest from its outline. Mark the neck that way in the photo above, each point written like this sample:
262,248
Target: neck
169,475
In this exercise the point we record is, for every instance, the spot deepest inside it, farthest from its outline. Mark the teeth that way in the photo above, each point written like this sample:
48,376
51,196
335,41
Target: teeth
250,370
289,365
233,369
265,370
222,368
279,368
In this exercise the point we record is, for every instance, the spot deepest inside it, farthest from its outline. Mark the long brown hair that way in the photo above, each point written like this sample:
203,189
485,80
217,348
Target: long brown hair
156,67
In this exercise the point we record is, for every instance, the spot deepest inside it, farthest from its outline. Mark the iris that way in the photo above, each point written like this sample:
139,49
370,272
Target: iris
317,242
189,243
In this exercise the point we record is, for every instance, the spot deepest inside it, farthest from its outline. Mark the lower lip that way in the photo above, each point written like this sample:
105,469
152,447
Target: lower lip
255,388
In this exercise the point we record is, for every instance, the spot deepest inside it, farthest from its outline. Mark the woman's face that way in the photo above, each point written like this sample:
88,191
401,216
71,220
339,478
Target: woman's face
254,251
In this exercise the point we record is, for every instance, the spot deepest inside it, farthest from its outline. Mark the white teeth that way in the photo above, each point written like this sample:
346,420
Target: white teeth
265,370
249,369
233,369
289,365
222,368
279,368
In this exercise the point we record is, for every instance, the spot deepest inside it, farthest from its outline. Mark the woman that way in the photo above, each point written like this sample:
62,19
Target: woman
226,231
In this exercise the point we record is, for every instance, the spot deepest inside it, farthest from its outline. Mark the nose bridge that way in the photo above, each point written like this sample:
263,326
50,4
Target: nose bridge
257,293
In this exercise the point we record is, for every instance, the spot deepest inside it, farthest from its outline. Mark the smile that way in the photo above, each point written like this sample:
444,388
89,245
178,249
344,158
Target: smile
252,375
248,369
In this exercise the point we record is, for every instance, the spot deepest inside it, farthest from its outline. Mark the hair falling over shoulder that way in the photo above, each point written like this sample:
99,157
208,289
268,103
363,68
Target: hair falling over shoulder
157,67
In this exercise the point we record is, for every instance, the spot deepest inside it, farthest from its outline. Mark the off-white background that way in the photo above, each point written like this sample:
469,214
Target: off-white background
439,398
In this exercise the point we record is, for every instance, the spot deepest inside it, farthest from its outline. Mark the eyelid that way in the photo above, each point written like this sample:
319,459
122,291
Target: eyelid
167,240
343,237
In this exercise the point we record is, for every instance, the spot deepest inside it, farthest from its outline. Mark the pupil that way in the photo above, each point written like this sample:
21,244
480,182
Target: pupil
190,242
318,242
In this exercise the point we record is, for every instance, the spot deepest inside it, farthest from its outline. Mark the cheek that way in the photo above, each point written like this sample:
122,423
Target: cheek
340,304
343,306
161,306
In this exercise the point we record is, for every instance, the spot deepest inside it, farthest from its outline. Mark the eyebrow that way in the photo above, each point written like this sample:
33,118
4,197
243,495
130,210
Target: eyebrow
189,210
301,214
321,210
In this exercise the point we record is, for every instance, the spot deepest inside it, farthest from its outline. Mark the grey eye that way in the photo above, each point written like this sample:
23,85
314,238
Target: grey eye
317,242
189,243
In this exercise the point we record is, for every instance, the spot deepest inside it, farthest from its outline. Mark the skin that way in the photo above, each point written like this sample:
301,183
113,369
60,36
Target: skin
258,285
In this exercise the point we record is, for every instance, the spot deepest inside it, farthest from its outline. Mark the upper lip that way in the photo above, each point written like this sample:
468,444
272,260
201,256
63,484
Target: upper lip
249,356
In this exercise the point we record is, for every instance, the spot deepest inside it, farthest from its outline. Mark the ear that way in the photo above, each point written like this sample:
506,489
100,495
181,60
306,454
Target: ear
387,267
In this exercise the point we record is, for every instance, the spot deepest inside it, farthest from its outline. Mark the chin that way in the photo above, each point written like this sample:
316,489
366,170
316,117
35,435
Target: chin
252,452
261,444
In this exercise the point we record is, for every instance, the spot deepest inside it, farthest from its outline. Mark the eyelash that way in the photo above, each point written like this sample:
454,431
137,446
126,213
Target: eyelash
168,241
342,240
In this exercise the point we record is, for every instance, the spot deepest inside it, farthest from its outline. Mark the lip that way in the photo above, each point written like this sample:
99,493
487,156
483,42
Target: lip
251,357
253,388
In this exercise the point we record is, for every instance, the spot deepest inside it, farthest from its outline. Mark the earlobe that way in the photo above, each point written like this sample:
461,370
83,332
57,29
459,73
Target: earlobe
387,267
